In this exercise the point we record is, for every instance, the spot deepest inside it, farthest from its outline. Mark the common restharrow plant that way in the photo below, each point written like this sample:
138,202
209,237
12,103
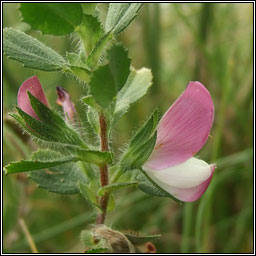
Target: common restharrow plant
159,158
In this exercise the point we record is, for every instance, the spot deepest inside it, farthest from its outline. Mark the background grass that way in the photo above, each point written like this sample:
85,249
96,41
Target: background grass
208,42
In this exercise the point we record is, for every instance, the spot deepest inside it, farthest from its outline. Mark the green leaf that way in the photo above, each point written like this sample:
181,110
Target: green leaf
44,113
25,166
93,119
52,18
119,64
48,131
23,125
77,67
102,86
137,239
52,134
137,156
146,131
30,52
62,179
141,145
42,130
77,60
82,73
90,101
89,8
120,15
135,87
92,156
90,31
111,203
97,52
148,186
107,80
89,195
114,187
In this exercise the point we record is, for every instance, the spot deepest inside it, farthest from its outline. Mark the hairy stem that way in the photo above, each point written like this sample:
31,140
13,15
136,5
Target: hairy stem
103,169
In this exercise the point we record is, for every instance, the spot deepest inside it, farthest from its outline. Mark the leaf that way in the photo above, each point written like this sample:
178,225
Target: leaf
90,31
114,187
25,166
93,156
90,101
111,203
148,186
93,119
42,130
89,195
77,67
44,113
77,60
136,157
52,18
54,121
137,239
62,179
120,15
47,132
146,131
93,58
107,80
119,64
23,125
30,52
82,73
135,87
102,86
141,145
89,8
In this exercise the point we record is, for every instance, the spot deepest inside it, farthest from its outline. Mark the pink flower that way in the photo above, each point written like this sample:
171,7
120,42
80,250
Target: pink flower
181,133
32,85
65,101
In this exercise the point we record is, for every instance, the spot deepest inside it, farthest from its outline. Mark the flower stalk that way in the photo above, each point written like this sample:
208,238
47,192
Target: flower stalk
103,169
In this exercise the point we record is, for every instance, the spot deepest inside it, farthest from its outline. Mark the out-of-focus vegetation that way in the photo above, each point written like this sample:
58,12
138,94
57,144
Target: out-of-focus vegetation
208,42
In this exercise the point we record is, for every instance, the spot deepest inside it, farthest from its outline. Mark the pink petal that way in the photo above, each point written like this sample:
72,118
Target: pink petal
32,85
65,101
184,128
194,193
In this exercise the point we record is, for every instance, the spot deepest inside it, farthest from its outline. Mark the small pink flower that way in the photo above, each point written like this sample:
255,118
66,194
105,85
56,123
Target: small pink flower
64,100
32,85
181,133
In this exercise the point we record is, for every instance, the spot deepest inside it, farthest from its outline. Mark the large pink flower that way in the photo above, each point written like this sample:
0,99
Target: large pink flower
32,85
181,133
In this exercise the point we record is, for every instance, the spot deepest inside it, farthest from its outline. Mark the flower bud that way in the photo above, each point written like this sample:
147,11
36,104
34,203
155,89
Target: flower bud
64,100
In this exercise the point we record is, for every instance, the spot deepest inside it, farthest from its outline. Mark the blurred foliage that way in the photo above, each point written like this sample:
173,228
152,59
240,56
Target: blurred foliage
208,42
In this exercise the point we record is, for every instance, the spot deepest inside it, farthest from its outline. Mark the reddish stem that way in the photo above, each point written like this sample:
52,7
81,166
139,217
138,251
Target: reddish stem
103,170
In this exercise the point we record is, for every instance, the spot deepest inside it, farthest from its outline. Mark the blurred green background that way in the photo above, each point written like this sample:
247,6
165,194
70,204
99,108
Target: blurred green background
208,42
